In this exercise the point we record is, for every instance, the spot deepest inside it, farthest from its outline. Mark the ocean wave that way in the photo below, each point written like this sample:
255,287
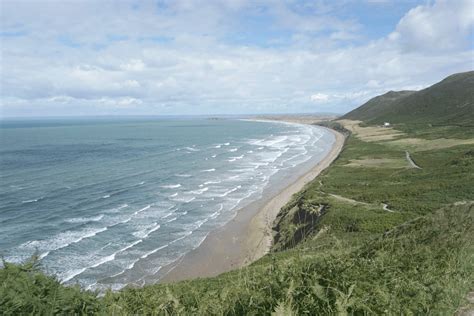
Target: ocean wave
230,191
232,150
32,200
259,164
167,215
209,170
142,209
214,215
146,255
183,199
171,220
232,159
183,175
217,213
212,182
146,232
186,234
171,186
174,194
199,192
65,239
191,149
200,223
293,157
85,219
214,156
116,209
60,241
71,274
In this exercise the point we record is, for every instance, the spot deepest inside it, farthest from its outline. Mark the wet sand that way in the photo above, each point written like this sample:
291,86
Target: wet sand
249,235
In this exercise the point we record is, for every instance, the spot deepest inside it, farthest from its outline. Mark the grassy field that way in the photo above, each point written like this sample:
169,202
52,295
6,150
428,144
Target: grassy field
371,235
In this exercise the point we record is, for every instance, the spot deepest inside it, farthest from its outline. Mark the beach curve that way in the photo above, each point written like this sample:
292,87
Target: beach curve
248,236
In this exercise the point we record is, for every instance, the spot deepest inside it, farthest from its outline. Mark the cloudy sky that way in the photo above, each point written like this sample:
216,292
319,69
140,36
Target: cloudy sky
161,57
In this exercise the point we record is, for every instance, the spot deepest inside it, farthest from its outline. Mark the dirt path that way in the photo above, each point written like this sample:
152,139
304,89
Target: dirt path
385,208
348,200
412,163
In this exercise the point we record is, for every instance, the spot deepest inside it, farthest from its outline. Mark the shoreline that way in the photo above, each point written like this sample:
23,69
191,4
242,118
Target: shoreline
248,236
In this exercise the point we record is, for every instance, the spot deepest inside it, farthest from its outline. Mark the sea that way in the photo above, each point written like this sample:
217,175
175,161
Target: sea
106,202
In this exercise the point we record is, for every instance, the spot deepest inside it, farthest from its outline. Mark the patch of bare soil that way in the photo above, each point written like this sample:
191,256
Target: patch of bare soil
378,163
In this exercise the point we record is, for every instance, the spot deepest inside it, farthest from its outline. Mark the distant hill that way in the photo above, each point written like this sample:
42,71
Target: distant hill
449,102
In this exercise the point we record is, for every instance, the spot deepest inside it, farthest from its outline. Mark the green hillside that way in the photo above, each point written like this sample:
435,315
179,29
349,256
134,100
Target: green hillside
449,102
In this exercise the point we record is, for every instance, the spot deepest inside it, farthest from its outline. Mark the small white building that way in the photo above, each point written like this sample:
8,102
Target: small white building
386,124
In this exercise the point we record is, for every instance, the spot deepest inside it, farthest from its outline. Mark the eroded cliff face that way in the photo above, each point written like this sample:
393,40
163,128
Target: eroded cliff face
295,222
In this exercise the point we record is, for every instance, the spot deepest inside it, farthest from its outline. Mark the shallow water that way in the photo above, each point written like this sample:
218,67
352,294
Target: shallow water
109,202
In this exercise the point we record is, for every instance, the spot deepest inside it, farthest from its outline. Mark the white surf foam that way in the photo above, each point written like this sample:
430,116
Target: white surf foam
85,219
199,192
146,255
32,200
212,182
171,186
61,240
209,170
230,191
184,175
142,209
171,220
145,233
192,149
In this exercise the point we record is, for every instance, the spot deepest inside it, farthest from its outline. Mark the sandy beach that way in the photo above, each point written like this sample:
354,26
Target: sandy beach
248,236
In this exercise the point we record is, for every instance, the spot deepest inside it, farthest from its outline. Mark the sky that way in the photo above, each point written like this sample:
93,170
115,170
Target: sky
205,57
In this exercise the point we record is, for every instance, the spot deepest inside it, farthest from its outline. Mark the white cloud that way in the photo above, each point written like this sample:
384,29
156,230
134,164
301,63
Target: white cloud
133,65
182,60
443,25
319,97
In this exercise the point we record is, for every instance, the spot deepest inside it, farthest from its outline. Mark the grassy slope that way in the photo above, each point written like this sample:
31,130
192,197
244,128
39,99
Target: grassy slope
348,256
449,102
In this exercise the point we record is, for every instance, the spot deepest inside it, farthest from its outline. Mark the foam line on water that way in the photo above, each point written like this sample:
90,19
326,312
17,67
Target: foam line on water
99,262
142,210
212,182
145,233
85,219
171,186
230,191
67,242
183,175
32,200
62,240
209,170
199,192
